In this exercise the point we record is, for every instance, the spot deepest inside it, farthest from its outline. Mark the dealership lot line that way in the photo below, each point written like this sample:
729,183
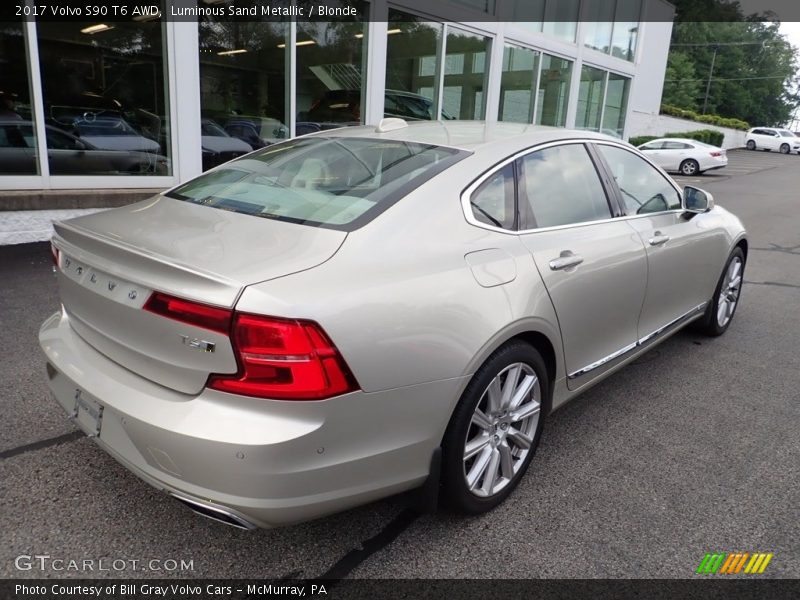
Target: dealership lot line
694,448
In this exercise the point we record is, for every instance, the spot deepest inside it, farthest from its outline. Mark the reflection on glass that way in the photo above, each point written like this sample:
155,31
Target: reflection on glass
599,21
17,139
465,74
105,100
242,87
331,73
556,18
626,29
411,67
553,92
486,6
590,98
518,84
616,104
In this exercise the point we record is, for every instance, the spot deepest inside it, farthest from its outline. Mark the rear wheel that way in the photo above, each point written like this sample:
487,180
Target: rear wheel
784,148
720,311
689,167
751,145
495,429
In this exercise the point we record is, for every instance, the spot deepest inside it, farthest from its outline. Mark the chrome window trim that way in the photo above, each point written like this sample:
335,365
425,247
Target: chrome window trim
466,194
638,343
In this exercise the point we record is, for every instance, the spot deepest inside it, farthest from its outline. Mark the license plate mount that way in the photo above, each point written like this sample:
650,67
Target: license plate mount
87,413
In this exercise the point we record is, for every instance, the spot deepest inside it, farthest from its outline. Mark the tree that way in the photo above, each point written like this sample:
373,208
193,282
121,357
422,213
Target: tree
681,86
754,75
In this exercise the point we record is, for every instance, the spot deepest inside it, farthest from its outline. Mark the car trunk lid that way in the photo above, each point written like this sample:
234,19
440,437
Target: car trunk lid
111,262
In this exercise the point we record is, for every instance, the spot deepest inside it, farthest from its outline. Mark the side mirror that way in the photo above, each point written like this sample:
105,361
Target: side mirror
697,201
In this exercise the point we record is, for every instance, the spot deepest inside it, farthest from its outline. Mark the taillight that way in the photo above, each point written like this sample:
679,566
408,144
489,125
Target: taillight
189,312
54,254
716,154
284,359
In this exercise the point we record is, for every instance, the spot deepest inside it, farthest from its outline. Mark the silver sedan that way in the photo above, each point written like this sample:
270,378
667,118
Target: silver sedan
373,310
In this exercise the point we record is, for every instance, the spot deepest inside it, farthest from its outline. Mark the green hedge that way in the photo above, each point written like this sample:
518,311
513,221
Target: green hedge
709,136
682,113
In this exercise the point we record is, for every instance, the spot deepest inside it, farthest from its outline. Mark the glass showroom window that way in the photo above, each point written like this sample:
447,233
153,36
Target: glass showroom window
465,73
331,73
556,18
553,91
590,99
242,87
613,27
626,29
616,104
17,139
105,99
518,84
411,84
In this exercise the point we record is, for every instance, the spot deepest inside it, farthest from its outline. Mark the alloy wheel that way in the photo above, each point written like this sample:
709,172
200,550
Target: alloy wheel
689,167
502,430
729,292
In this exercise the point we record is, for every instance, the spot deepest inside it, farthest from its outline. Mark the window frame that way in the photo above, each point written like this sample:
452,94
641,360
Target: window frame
619,199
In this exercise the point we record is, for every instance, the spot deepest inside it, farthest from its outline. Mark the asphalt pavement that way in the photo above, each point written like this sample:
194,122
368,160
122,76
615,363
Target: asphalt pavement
694,448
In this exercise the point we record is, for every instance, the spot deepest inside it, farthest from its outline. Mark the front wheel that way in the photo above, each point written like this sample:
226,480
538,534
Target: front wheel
720,311
689,167
784,148
495,429
751,145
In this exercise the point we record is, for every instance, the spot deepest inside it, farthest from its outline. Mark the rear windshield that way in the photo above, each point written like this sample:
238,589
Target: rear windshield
340,183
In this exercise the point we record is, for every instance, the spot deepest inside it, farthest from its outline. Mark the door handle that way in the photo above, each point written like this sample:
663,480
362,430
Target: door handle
565,261
658,239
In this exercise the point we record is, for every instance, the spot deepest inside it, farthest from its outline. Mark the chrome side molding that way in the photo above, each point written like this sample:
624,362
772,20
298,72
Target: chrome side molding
640,342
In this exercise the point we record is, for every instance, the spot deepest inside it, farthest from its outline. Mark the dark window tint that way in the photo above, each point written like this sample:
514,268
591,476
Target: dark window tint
319,181
644,189
560,185
60,141
493,202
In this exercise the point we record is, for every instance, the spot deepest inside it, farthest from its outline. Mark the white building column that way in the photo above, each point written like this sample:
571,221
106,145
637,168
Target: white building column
184,95
375,71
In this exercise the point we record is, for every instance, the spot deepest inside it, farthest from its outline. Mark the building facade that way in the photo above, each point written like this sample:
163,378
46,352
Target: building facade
149,103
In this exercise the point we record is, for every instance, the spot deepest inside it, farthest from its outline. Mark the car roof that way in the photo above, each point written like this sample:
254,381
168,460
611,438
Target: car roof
474,136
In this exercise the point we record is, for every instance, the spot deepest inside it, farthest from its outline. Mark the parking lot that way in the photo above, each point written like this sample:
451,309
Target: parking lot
694,448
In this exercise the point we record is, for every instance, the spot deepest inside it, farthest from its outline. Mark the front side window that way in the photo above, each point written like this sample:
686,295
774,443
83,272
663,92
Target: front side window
330,182
493,203
644,189
560,186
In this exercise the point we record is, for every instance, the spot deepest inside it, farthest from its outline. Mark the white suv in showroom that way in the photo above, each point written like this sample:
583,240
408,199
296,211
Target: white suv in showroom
771,138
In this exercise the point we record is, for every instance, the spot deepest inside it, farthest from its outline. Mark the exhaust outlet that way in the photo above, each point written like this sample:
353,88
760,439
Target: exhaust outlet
216,513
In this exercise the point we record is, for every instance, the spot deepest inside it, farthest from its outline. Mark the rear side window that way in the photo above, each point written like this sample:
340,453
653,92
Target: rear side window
336,182
493,202
560,186
644,189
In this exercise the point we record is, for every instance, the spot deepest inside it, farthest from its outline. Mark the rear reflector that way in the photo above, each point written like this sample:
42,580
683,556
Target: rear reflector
189,312
284,359
54,253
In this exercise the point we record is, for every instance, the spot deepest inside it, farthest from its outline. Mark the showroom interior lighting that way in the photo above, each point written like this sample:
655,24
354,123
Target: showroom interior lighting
231,52
303,43
92,29
388,32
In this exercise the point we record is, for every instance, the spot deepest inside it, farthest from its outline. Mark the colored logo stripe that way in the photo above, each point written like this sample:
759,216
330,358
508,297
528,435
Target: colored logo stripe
731,563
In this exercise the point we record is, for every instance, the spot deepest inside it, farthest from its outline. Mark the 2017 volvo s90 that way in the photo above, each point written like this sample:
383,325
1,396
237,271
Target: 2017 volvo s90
361,312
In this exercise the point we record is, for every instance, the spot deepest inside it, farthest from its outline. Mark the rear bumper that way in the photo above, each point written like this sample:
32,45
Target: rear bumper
266,462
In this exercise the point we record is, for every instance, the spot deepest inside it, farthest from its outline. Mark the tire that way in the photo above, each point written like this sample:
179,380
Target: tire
751,145
712,324
784,148
689,167
495,439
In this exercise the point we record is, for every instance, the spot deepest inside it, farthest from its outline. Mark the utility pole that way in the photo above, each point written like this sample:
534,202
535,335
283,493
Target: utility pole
710,74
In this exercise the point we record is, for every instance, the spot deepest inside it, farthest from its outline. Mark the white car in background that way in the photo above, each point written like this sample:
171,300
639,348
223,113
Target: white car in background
686,156
772,138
